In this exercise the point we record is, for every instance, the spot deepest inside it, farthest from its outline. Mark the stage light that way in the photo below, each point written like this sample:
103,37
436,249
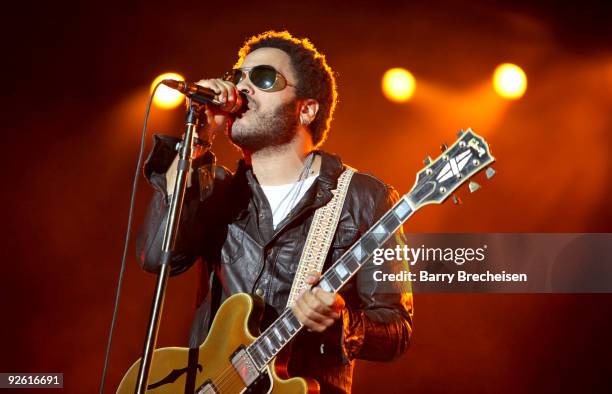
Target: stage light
509,81
164,96
398,85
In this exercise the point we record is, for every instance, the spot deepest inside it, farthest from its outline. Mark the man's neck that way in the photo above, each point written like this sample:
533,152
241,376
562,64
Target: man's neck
281,165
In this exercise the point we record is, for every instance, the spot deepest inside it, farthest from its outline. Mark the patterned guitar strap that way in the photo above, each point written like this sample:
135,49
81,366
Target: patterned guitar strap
320,236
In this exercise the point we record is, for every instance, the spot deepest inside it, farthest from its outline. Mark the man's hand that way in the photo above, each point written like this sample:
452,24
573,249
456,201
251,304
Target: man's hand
230,99
216,119
318,309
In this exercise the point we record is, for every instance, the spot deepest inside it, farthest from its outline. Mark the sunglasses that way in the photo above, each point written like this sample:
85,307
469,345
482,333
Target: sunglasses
265,78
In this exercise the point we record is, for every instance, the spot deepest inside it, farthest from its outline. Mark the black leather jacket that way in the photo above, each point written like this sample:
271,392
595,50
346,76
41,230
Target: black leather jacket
227,222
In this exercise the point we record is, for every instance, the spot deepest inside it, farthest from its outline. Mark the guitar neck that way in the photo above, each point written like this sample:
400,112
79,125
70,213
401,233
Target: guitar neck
283,329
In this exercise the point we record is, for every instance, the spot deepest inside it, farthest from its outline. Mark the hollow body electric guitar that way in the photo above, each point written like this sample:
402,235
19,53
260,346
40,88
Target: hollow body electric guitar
235,359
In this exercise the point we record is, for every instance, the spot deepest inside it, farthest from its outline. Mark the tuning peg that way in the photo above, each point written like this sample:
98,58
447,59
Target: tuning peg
490,172
460,133
427,160
457,200
443,147
473,186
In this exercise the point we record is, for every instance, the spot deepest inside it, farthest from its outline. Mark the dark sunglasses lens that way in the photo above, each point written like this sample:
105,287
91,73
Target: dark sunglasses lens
263,77
236,76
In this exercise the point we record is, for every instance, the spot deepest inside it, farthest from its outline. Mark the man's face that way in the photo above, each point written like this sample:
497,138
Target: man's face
270,118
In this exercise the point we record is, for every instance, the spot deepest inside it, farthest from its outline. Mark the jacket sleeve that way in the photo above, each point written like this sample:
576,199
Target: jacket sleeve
192,233
379,328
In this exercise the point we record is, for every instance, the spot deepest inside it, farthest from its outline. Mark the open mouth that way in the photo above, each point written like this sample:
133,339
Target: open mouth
244,109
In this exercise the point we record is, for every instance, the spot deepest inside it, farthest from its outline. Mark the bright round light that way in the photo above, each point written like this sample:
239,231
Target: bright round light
509,81
164,96
398,85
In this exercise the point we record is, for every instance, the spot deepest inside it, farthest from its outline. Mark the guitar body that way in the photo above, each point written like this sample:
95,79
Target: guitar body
210,369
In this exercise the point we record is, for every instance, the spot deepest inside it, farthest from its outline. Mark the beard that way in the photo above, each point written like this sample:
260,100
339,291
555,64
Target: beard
267,129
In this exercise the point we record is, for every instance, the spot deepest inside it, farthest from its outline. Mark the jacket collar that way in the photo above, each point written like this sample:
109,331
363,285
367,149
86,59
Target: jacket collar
330,171
318,195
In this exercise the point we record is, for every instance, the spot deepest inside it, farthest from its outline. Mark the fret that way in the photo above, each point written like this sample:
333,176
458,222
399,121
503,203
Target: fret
275,344
358,252
282,330
342,271
287,327
256,355
265,351
380,233
391,222
368,244
277,335
333,280
295,323
351,263
402,210
325,285
269,346
294,320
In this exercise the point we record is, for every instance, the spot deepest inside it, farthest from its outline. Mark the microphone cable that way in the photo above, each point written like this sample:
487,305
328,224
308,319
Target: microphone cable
127,240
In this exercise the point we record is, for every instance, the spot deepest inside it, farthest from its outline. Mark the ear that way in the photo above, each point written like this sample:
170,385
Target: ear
308,111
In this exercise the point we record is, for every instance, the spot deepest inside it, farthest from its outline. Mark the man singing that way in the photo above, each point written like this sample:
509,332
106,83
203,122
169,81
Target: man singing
248,228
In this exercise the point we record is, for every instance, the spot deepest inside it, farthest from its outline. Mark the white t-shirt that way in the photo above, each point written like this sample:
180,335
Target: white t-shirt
280,202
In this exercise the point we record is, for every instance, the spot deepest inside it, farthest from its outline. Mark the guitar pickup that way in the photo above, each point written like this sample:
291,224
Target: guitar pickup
244,366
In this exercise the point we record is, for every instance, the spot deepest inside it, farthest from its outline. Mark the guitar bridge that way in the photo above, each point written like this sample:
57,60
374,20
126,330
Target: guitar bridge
207,388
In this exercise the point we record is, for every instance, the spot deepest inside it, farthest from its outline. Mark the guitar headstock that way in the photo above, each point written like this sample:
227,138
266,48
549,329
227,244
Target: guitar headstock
455,166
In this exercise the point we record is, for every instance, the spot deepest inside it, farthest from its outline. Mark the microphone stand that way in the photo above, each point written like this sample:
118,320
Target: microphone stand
174,214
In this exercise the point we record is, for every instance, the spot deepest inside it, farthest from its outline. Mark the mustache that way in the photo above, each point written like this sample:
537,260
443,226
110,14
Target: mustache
251,104
247,104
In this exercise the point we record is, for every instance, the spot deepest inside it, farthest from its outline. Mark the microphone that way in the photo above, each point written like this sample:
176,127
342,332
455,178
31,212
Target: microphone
197,93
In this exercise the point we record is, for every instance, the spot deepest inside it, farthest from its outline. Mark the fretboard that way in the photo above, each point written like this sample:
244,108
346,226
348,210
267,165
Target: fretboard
283,329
